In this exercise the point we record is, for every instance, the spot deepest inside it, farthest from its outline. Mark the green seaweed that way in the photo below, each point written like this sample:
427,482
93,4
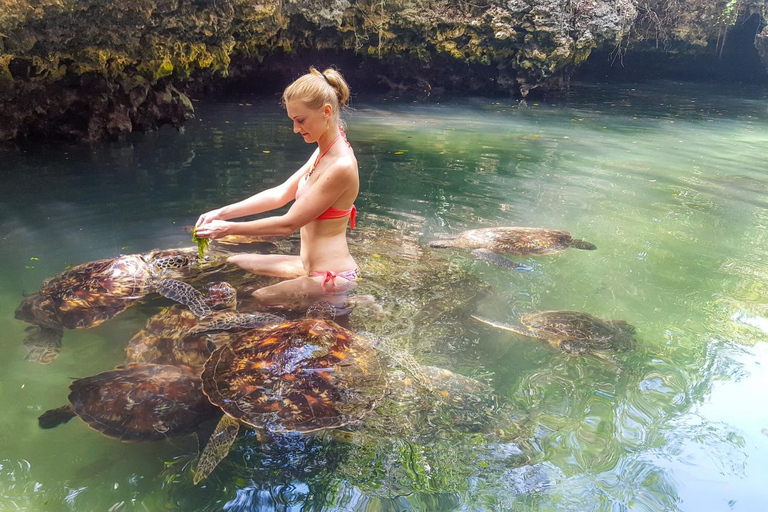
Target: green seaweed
202,245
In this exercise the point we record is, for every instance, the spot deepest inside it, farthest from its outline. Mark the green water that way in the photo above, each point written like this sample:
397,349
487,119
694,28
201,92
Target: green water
667,180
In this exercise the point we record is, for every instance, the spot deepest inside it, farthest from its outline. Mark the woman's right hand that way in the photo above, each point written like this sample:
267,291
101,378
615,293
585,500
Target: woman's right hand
209,216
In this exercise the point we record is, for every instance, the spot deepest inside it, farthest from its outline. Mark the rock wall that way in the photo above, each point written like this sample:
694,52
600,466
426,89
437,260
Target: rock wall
85,70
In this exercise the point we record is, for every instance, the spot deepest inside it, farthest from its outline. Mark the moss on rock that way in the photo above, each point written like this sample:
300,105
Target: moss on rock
48,48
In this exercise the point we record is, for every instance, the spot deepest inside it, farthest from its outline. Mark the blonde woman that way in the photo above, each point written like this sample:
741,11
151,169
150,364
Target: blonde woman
323,192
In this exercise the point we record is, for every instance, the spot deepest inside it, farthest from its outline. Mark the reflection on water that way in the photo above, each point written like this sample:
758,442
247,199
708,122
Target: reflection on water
667,180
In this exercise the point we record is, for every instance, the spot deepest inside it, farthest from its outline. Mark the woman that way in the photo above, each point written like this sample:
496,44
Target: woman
324,190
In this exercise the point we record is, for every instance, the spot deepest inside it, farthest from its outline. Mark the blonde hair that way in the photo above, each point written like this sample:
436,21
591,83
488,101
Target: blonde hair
315,89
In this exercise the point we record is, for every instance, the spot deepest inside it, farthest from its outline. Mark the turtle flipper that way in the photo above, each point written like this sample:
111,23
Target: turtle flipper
217,448
204,431
506,327
228,320
183,293
55,417
498,259
583,245
43,344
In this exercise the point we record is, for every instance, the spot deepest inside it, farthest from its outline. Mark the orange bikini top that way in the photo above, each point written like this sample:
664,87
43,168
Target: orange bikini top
330,213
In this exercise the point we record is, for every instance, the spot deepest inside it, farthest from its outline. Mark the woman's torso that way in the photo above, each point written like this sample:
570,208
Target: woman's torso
324,242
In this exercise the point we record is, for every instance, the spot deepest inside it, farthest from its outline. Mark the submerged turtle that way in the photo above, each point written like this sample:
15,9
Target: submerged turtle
176,335
574,332
92,293
439,400
300,376
313,375
137,403
490,243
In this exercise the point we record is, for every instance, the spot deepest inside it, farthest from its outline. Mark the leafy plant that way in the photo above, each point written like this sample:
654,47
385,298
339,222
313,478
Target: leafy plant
202,245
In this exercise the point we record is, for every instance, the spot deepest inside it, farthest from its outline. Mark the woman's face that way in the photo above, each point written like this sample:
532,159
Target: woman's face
310,123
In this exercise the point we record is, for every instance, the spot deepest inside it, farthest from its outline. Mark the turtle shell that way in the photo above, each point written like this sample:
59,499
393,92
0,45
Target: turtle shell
516,240
89,294
440,398
587,332
142,402
297,376
166,339
167,336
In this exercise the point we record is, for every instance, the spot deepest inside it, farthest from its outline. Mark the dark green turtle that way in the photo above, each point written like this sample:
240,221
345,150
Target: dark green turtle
491,243
137,403
574,332
176,335
300,376
92,293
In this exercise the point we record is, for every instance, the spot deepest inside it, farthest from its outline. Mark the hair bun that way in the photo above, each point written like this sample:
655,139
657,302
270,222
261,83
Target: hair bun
336,80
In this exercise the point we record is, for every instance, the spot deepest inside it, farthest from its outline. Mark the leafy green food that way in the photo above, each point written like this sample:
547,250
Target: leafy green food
202,245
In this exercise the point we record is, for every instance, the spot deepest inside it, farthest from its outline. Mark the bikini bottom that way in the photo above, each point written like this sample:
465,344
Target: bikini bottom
329,281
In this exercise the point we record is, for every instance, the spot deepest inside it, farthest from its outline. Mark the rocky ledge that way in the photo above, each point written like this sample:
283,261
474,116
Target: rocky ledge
87,70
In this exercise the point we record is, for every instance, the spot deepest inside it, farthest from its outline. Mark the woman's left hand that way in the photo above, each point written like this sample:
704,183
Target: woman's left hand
213,229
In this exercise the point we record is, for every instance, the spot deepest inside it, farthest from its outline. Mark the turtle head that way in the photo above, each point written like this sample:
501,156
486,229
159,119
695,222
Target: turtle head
623,326
583,245
181,261
38,309
171,262
25,311
220,295
322,310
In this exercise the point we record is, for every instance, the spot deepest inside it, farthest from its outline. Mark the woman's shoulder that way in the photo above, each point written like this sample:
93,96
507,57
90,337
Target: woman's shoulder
344,164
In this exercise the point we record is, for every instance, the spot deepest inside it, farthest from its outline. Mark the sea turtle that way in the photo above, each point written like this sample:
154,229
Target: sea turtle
314,375
89,294
176,335
490,243
300,376
438,400
138,402
574,332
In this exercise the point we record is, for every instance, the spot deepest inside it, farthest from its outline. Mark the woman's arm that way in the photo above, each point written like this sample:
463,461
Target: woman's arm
263,201
331,185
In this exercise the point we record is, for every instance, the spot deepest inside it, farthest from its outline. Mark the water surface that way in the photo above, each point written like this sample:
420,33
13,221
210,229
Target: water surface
667,179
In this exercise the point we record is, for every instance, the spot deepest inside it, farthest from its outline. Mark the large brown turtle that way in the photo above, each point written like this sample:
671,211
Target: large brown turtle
176,335
574,332
92,293
300,376
311,375
490,243
137,402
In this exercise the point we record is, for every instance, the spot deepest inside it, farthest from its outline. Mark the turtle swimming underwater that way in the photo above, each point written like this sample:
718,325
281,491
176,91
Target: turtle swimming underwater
439,400
574,332
137,403
313,375
176,335
490,243
89,294
300,376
